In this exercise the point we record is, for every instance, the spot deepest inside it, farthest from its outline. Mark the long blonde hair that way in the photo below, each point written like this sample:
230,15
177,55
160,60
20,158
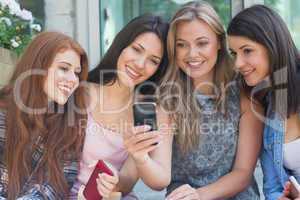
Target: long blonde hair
187,116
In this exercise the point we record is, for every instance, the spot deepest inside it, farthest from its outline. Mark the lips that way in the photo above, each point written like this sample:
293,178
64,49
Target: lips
132,73
65,89
246,72
194,64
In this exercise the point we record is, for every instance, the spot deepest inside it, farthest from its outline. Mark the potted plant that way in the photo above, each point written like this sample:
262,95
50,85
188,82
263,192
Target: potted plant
17,27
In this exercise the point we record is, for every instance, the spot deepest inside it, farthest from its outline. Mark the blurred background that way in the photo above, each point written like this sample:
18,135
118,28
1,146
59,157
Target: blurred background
94,23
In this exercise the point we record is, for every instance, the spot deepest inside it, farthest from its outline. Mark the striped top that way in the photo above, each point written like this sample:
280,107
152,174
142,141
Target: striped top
31,190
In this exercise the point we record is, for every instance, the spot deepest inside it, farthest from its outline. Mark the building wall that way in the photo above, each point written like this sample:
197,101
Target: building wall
59,16
78,19
83,20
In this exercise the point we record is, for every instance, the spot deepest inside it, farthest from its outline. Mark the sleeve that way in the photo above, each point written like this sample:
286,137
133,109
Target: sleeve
272,187
46,191
40,192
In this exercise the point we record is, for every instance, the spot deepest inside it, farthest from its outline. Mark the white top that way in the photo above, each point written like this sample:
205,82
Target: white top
291,158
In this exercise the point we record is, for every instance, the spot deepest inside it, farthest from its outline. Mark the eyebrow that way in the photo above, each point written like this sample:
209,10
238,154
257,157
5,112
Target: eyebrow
69,64
202,37
246,45
198,38
64,62
144,49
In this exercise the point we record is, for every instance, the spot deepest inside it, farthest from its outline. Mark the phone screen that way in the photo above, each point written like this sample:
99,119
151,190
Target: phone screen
145,114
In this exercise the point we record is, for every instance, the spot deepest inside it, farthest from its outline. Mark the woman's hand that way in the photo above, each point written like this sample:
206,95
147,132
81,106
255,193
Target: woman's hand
287,193
184,192
106,184
140,142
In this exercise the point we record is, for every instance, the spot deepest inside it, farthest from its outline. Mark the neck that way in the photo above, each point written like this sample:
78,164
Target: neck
118,95
204,84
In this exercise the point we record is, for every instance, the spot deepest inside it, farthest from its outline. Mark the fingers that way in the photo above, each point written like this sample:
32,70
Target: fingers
184,192
287,189
284,198
106,184
142,144
142,140
136,130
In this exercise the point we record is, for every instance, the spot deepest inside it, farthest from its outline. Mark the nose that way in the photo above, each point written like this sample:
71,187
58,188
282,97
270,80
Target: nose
194,51
239,62
72,77
140,62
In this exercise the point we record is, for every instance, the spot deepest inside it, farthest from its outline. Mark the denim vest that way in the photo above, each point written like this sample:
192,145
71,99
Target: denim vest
275,175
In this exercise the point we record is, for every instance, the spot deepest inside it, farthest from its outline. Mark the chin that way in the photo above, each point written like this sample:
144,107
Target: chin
252,83
61,101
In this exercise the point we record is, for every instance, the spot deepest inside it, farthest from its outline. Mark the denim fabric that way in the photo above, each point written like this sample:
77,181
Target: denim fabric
275,175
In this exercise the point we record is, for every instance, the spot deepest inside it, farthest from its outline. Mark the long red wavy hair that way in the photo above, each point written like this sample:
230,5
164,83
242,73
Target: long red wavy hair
62,139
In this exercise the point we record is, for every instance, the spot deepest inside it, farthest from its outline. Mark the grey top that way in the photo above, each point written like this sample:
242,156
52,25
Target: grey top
215,155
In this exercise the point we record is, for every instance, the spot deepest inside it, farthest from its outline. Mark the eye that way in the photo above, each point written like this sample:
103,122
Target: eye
247,51
180,44
136,49
202,43
63,68
155,62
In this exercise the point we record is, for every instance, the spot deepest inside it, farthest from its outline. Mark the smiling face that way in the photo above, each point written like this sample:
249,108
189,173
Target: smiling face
251,59
63,76
140,60
197,48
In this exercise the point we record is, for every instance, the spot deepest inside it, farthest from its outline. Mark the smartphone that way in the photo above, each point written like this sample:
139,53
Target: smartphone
144,113
90,191
295,189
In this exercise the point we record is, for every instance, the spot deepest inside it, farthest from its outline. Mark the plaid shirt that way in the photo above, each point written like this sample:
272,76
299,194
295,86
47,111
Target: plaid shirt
33,191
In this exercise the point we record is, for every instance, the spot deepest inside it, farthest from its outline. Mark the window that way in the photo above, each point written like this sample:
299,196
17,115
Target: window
37,9
289,11
114,14
168,7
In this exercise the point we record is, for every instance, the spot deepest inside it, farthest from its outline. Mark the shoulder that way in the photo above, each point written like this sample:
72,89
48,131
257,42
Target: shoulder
92,93
248,104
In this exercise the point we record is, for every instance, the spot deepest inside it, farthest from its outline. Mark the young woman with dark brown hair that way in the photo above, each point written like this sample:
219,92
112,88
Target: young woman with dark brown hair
268,63
42,106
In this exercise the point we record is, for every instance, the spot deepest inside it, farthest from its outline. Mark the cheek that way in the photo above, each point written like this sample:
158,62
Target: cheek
212,52
179,60
125,55
151,70
58,75
180,53
76,84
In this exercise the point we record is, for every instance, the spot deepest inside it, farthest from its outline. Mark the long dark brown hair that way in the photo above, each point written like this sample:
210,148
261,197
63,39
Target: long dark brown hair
264,26
25,131
137,26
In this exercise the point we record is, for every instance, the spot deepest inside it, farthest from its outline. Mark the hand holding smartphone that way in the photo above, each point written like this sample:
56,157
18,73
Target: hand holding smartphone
145,114
295,187
91,192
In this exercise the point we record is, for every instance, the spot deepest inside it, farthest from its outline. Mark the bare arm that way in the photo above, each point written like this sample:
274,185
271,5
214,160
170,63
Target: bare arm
152,162
249,145
128,177
156,171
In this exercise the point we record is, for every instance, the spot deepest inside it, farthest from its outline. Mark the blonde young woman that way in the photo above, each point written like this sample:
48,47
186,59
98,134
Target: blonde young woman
218,135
